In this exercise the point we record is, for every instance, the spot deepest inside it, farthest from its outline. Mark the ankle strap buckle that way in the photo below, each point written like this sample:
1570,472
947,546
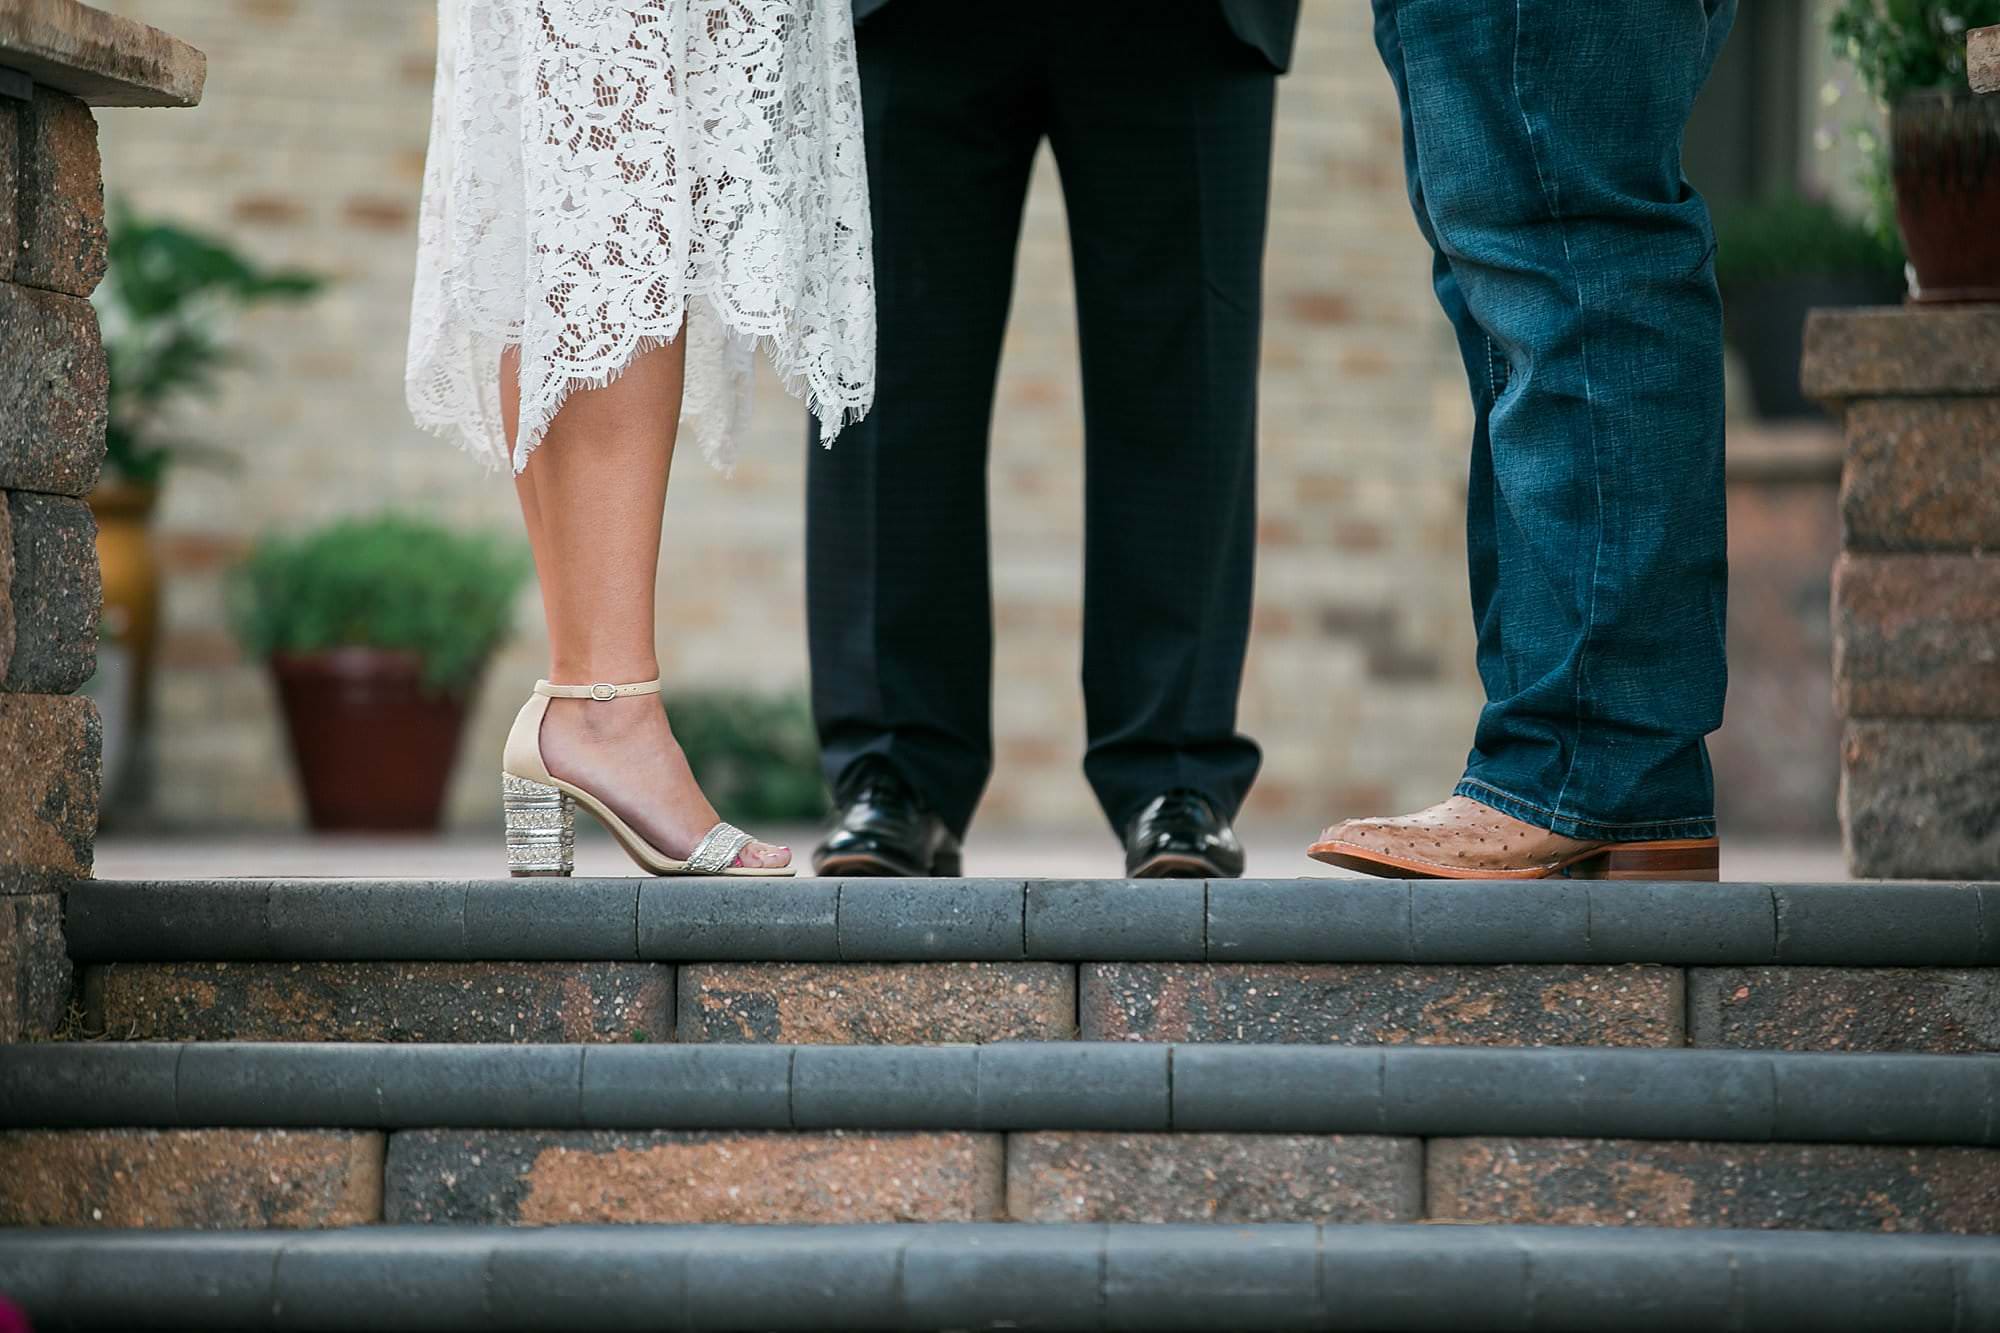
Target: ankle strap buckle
604,693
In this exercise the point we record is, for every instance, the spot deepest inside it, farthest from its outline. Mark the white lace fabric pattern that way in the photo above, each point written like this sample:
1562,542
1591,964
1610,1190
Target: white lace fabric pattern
606,174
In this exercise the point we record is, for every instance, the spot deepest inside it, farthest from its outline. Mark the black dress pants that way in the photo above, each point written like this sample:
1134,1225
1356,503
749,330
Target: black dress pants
1160,123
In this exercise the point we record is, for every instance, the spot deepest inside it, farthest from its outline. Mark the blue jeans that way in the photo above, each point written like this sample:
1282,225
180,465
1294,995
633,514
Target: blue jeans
1542,142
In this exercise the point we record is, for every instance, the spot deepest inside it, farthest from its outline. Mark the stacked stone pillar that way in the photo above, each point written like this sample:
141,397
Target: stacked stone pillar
58,59
1916,599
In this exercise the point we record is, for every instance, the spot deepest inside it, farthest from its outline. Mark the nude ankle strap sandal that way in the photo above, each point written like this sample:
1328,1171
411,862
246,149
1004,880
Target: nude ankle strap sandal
541,808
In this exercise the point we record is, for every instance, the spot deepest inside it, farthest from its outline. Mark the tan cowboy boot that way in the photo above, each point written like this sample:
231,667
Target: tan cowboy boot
1462,839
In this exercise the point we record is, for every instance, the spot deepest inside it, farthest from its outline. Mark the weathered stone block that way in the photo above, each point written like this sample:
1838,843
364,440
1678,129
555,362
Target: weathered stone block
1920,799
550,1178
55,596
1943,1011
48,805
105,59
1982,59
1213,1178
1613,1182
61,196
1922,474
1391,1003
1917,636
870,1003
10,171
1902,352
430,1002
209,1179
52,392
34,967
6,587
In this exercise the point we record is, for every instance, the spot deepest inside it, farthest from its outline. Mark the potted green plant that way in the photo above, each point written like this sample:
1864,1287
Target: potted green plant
1780,257
1944,143
165,306
756,755
376,631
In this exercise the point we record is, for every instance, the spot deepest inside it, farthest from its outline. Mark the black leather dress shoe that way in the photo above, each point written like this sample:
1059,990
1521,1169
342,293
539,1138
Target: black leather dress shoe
884,829
1180,836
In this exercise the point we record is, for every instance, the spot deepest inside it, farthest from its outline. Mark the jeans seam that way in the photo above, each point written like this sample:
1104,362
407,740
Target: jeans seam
1551,197
1506,795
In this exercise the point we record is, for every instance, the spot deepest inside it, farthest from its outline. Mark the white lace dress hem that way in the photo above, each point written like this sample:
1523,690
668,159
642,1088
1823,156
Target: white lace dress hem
606,176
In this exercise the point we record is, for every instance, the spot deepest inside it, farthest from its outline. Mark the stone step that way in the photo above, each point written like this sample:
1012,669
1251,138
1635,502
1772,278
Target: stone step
1870,924
240,1136
1936,1010
1052,1277
1880,967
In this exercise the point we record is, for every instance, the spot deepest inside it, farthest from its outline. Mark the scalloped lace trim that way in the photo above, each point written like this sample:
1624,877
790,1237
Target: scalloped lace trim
605,175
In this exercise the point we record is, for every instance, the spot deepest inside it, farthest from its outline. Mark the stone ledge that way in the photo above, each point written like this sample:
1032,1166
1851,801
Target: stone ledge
64,245
55,595
10,171
1901,352
1920,798
1922,474
1917,636
1235,921
98,57
1608,1183
402,1002
53,386
1241,1178
34,971
567,1177
1386,1003
1938,1011
1114,1086
1982,59
48,805
206,1179
876,1003
1059,1277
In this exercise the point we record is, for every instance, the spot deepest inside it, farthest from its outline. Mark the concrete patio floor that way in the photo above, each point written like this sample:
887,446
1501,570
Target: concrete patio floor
1274,853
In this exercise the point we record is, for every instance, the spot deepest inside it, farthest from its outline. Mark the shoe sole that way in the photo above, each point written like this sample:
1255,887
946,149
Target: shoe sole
1692,859
881,867
1174,866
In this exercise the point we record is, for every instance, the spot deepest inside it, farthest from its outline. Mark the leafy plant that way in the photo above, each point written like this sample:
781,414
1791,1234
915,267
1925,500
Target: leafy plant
388,582
165,304
1792,236
1907,46
756,756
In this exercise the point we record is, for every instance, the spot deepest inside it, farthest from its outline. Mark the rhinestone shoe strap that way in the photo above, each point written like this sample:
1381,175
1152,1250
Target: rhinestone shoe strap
601,693
718,850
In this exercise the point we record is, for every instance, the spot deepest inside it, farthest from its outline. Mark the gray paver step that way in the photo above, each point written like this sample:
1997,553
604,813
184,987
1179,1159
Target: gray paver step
1877,924
1053,1278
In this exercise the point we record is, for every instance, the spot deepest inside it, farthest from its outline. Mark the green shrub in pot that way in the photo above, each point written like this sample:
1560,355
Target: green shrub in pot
1944,142
1781,257
1899,47
376,631
391,583
756,755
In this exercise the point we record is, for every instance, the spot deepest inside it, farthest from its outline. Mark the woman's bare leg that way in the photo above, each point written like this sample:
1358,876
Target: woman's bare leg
592,496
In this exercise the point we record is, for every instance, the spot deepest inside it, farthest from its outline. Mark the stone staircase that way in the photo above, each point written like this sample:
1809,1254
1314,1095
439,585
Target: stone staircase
1040,1104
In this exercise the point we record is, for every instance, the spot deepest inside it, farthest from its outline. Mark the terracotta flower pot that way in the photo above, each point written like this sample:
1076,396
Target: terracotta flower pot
374,748
124,514
1944,154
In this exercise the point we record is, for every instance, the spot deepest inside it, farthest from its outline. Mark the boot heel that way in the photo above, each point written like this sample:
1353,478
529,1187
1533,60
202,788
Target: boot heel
541,827
1695,859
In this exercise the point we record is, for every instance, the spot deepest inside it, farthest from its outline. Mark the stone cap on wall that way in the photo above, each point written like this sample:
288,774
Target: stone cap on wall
1901,352
100,58
1982,59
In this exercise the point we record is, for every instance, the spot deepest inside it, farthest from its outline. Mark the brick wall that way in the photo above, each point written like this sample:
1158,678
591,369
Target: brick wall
309,150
